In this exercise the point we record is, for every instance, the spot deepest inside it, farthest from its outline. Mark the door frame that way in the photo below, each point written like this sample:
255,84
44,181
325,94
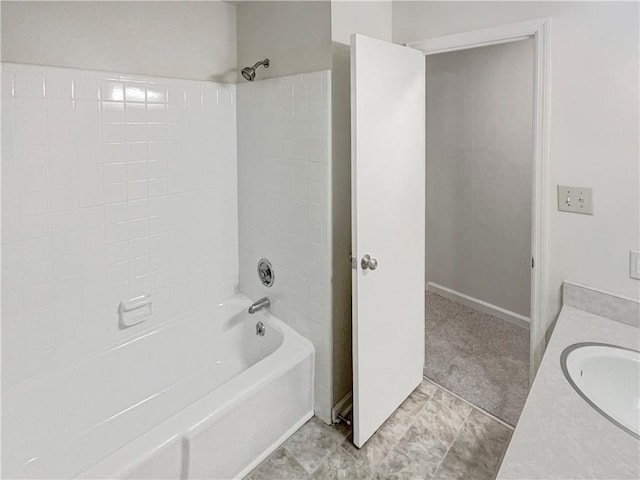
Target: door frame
538,30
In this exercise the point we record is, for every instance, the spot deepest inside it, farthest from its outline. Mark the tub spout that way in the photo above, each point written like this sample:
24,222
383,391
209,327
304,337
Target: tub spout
261,304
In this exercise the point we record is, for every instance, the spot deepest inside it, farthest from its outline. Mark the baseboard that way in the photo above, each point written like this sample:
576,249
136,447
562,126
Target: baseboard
343,407
480,305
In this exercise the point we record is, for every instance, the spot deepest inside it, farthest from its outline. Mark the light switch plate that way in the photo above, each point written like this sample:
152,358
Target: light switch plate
634,264
575,199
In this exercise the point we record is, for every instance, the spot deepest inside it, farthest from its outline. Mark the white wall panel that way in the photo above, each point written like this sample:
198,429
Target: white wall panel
114,186
284,206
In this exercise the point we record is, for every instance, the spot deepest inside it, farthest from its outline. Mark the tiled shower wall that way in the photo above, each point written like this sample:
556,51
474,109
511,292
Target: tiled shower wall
284,205
113,186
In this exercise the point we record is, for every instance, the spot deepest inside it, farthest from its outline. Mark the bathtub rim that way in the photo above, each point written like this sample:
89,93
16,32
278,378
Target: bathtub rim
192,420
239,301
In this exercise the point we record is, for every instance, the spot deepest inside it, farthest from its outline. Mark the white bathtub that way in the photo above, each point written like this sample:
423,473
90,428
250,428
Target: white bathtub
204,398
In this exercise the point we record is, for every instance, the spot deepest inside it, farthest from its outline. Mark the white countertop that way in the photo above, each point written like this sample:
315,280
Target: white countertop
559,435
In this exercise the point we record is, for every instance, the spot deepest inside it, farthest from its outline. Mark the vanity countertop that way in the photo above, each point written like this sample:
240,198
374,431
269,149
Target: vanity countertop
559,435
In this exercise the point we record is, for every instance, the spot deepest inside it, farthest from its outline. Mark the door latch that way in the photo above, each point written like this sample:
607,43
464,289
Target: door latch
368,262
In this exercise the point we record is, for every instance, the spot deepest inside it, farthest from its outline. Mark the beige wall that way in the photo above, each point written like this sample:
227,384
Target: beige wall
595,130
479,153
364,17
295,36
194,40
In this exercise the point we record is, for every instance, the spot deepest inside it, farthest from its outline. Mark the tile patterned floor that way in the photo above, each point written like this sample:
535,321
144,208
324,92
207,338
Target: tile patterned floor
432,435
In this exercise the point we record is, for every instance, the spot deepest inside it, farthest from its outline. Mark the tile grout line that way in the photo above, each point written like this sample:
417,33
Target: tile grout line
310,475
475,407
466,420
324,459
397,441
458,430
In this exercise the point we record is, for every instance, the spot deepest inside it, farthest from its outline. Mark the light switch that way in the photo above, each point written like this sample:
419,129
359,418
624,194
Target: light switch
634,264
575,199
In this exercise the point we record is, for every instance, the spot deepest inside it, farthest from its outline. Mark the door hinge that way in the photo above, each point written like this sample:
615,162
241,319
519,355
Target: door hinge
352,261
533,263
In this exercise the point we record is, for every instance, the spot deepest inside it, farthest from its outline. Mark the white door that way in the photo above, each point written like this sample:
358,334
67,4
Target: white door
388,221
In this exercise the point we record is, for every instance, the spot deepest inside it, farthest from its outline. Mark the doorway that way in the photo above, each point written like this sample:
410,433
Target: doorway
486,140
371,338
479,134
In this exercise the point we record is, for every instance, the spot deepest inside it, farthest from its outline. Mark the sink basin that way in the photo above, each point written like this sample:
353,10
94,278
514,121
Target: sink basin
607,377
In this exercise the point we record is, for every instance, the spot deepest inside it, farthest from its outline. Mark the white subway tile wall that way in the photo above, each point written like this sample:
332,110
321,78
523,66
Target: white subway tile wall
284,204
113,186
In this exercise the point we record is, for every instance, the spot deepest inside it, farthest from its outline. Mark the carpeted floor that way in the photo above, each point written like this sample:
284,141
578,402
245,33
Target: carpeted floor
483,359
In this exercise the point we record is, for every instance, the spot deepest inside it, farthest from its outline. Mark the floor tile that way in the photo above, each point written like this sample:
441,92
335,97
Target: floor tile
373,452
424,447
399,466
427,387
432,435
313,443
451,401
414,403
342,466
341,430
455,468
441,421
279,466
494,428
481,443
397,424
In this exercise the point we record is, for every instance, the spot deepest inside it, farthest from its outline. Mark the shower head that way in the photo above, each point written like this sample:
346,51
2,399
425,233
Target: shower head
249,73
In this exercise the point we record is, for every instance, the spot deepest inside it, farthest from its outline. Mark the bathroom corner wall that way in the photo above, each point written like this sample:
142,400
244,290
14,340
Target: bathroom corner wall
284,142
113,186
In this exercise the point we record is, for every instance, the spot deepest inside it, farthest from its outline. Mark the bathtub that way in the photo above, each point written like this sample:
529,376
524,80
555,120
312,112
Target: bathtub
201,398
